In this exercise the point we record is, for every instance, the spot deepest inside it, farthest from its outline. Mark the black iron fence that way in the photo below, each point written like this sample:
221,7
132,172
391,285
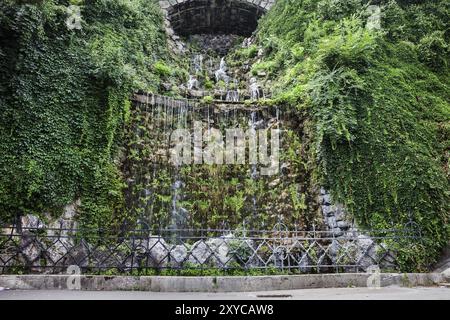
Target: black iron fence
47,250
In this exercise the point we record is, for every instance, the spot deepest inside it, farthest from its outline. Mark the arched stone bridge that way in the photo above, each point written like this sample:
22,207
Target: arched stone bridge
215,16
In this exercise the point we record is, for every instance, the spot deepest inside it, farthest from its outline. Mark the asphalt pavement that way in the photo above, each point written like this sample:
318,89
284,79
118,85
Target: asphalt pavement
386,293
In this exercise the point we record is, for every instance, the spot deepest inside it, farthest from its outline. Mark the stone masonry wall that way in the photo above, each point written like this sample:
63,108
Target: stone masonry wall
186,17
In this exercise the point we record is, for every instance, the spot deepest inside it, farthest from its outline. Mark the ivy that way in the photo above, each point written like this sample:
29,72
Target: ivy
378,103
65,100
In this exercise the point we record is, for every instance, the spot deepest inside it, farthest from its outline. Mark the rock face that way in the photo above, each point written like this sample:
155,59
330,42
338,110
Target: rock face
219,43
53,243
158,252
217,21
178,254
31,223
334,215
443,264
66,221
212,251
40,240
31,248
360,251
349,246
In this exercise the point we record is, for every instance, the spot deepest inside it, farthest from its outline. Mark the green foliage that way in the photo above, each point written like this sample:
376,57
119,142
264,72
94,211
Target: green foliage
268,66
337,9
378,102
208,83
336,110
189,270
235,203
162,69
64,102
214,196
434,51
370,108
207,100
249,52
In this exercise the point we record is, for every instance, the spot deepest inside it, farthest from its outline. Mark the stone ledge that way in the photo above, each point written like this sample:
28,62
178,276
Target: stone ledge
217,284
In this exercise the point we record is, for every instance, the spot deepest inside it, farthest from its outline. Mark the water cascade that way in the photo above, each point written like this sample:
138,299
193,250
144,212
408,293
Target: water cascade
221,73
254,168
197,63
256,92
179,215
193,83
233,94
196,194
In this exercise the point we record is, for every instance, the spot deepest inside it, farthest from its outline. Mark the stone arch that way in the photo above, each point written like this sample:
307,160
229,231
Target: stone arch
215,16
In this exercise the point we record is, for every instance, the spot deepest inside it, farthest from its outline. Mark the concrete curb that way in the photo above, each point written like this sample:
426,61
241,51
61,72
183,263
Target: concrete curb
216,284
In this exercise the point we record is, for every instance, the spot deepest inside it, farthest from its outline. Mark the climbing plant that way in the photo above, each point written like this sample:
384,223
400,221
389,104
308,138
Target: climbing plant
379,104
65,99
368,116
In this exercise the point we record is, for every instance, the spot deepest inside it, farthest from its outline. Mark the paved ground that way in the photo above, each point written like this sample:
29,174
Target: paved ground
389,293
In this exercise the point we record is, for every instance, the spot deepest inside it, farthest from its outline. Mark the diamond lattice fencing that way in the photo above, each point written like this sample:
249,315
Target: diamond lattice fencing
46,250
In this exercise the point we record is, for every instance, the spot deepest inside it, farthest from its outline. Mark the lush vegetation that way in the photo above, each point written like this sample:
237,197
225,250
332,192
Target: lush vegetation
371,108
65,99
379,101
216,196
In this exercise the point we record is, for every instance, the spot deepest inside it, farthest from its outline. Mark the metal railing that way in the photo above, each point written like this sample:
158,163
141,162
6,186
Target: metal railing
46,250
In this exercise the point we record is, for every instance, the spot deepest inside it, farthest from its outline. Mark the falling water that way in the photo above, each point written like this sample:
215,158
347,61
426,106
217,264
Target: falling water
192,83
221,73
179,215
254,171
210,65
169,200
197,64
256,91
233,95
